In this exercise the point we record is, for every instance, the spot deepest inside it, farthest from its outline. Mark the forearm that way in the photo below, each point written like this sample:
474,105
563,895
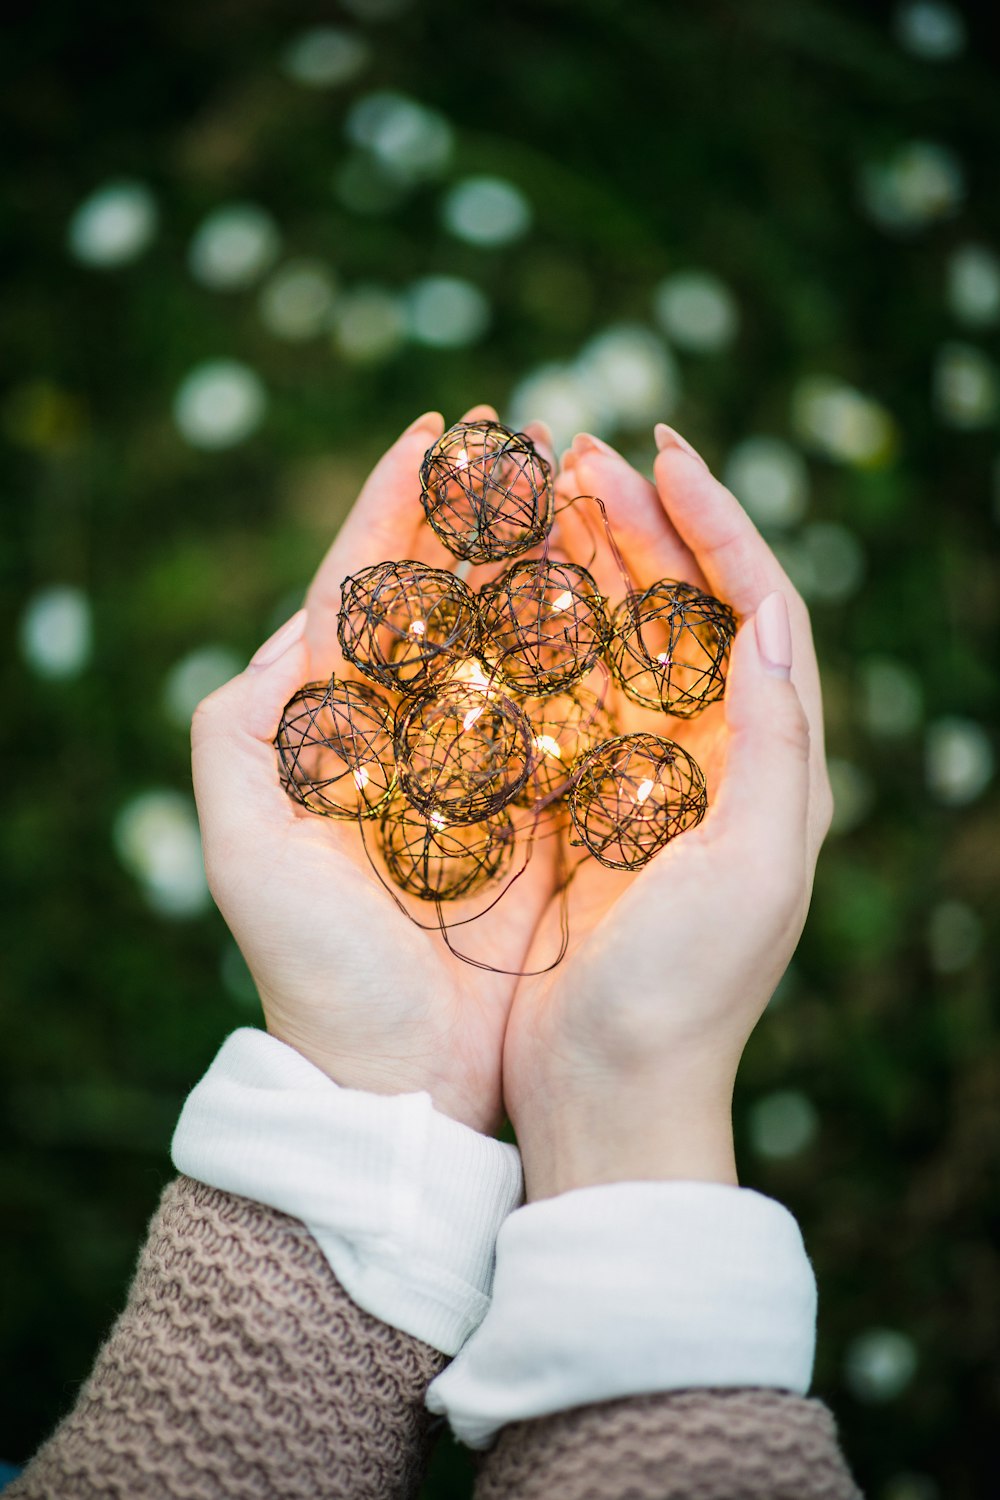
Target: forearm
689,1445
240,1367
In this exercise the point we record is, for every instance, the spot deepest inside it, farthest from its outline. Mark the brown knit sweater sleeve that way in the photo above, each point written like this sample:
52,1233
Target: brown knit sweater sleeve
685,1445
240,1368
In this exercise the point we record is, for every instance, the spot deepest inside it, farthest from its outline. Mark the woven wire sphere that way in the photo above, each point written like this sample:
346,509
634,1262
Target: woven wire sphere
632,795
405,624
670,647
542,625
461,752
438,861
334,747
564,728
486,491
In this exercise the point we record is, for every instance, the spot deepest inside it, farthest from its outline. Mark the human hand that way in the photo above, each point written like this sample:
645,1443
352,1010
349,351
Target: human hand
343,975
619,1065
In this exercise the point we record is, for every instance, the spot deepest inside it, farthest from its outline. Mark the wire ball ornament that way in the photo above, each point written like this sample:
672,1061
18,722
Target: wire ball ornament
632,795
462,753
564,728
486,491
406,625
438,861
335,753
670,647
542,625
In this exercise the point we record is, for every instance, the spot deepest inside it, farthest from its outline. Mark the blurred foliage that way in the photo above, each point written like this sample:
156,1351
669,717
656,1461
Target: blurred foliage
768,144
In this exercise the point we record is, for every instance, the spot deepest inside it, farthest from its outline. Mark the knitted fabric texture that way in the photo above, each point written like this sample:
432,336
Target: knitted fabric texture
685,1445
240,1368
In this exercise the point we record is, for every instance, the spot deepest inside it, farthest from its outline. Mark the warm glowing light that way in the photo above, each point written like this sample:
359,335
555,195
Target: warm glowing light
361,778
643,790
437,821
563,602
472,716
463,459
418,627
472,673
664,658
548,745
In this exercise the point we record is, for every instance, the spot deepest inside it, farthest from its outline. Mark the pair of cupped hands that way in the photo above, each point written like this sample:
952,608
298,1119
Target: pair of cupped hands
619,1063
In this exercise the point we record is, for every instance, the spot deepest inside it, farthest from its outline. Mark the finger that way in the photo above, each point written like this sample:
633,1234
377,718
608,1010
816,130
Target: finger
240,800
738,564
649,542
764,804
481,413
382,523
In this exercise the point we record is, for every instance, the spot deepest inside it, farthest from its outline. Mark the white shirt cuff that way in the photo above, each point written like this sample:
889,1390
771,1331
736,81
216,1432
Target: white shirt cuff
633,1288
404,1202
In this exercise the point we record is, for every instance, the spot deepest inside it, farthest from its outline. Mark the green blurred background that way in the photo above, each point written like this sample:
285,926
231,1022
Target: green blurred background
244,245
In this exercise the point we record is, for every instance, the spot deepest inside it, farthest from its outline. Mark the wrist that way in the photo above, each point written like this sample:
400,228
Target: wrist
673,1134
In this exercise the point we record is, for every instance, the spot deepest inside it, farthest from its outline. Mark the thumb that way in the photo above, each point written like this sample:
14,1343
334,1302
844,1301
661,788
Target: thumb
764,799
240,800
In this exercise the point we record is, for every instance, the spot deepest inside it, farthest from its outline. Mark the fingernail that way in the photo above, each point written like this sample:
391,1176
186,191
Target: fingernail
774,635
585,442
432,420
280,642
666,437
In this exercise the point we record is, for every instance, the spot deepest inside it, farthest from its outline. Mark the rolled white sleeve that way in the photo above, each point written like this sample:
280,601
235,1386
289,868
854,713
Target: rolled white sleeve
404,1202
629,1289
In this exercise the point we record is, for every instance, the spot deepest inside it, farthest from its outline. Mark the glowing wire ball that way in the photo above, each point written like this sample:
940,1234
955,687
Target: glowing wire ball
632,795
486,491
543,625
334,746
438,861
405,624
564,728
670,647
461,753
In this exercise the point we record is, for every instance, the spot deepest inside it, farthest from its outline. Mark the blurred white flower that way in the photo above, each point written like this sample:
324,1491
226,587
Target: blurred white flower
842,422
409,139
156,837
555,394
826,562
879,1364
56,632
919,183
782,1124
954,936
369,324
446,312
365,186
486,211
233,247
220,403
194,677
297,301
630,374
892,696
697,311
325,56
770,480
930,29
966,387
973,285
959,760
114,225
853,795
